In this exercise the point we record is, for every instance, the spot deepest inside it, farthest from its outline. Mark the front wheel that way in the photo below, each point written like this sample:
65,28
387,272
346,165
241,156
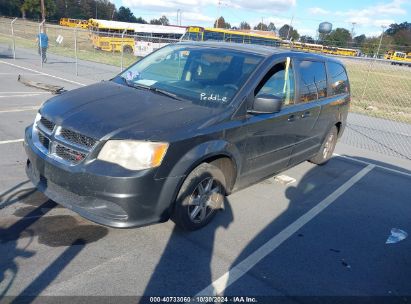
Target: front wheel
199,198
327,148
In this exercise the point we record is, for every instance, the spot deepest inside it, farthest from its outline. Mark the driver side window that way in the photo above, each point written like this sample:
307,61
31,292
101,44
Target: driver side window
279,82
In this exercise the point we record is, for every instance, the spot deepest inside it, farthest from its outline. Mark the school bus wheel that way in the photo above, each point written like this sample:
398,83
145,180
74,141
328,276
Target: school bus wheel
127,49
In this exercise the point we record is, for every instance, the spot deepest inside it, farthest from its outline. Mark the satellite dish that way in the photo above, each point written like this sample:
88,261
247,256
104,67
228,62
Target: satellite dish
325,27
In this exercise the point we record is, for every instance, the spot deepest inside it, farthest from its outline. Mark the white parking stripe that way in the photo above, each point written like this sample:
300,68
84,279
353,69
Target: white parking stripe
20,109
15,74
219,285
42,73
38,92
11,141
369,163
19,95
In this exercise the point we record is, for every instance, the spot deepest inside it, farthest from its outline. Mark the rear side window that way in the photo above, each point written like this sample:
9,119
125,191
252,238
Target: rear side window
312,80
338,78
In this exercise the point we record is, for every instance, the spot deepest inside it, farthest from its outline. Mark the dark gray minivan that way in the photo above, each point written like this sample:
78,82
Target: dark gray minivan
181,128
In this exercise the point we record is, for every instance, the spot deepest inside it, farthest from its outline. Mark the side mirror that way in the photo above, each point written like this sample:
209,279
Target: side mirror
266,103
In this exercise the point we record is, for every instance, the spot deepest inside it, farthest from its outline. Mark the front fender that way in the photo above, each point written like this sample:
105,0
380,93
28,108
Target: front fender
197,154
175,173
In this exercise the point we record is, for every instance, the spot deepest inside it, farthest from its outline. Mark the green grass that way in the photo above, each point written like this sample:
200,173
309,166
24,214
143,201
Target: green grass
380,90
83,54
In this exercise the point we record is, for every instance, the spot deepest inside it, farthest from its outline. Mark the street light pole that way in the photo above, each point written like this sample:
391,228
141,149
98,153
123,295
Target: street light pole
352,30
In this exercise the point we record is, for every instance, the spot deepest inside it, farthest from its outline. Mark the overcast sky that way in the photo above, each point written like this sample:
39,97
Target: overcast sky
368,15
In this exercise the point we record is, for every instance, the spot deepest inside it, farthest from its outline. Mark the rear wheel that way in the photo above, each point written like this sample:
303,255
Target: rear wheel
327,148
199,198
127,49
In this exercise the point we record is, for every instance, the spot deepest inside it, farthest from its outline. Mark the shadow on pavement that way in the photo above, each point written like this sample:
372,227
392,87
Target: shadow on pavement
33,221
184,270
193,261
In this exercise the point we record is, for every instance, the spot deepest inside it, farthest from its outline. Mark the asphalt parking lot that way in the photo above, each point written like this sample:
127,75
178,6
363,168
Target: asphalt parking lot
322,235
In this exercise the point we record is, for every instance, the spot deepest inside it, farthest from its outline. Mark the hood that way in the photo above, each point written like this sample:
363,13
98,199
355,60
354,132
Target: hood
108,109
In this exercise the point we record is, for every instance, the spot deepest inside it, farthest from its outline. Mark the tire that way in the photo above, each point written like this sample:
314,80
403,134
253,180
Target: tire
127,49
327,148
200,197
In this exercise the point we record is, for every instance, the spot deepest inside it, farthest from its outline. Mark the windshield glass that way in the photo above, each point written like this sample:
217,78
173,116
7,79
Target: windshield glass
200,74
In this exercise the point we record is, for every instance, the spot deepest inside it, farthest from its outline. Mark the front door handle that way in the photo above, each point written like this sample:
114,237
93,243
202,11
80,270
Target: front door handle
306,114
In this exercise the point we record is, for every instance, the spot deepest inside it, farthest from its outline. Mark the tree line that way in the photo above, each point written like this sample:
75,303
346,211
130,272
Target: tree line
76,9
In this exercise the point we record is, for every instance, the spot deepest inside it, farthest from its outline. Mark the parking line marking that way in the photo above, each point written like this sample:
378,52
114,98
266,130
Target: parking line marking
20,109
235,273
15,74
42,73
21,92
369,163
11,141
19,95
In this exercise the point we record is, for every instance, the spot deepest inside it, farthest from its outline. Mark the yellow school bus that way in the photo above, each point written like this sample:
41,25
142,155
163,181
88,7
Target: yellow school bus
400,58
107,35
347,52
388,54
341,51
308,47
197,33
115,36
74,23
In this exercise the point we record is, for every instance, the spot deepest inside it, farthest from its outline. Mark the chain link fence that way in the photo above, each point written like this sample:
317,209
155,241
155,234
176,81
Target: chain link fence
381,106
380,118
74,50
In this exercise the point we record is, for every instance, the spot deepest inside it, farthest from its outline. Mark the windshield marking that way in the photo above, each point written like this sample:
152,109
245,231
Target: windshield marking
212,97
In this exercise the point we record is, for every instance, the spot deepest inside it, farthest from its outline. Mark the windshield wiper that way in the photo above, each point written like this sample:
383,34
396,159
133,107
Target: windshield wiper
153,89
127,82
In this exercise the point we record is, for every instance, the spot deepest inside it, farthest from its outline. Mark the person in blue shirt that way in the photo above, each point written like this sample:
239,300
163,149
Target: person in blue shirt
43,44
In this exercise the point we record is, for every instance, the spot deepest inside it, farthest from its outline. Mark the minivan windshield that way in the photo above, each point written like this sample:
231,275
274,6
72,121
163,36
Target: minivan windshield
200,74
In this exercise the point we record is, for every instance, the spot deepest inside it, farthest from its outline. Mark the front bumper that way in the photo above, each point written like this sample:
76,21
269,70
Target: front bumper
99,192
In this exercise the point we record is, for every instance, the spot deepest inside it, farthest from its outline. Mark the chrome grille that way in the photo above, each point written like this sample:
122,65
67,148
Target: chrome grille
77,138
61,144
69,154
49,125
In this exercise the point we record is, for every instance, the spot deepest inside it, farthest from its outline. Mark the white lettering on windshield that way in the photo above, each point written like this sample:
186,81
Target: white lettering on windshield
212,97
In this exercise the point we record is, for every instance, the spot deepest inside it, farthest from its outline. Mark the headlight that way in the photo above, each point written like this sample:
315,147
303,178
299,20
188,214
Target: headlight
133,155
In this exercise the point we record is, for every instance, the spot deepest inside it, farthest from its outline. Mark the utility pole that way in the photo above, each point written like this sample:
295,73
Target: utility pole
43,11
289,27
379,45
219,13
262,22
178,17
